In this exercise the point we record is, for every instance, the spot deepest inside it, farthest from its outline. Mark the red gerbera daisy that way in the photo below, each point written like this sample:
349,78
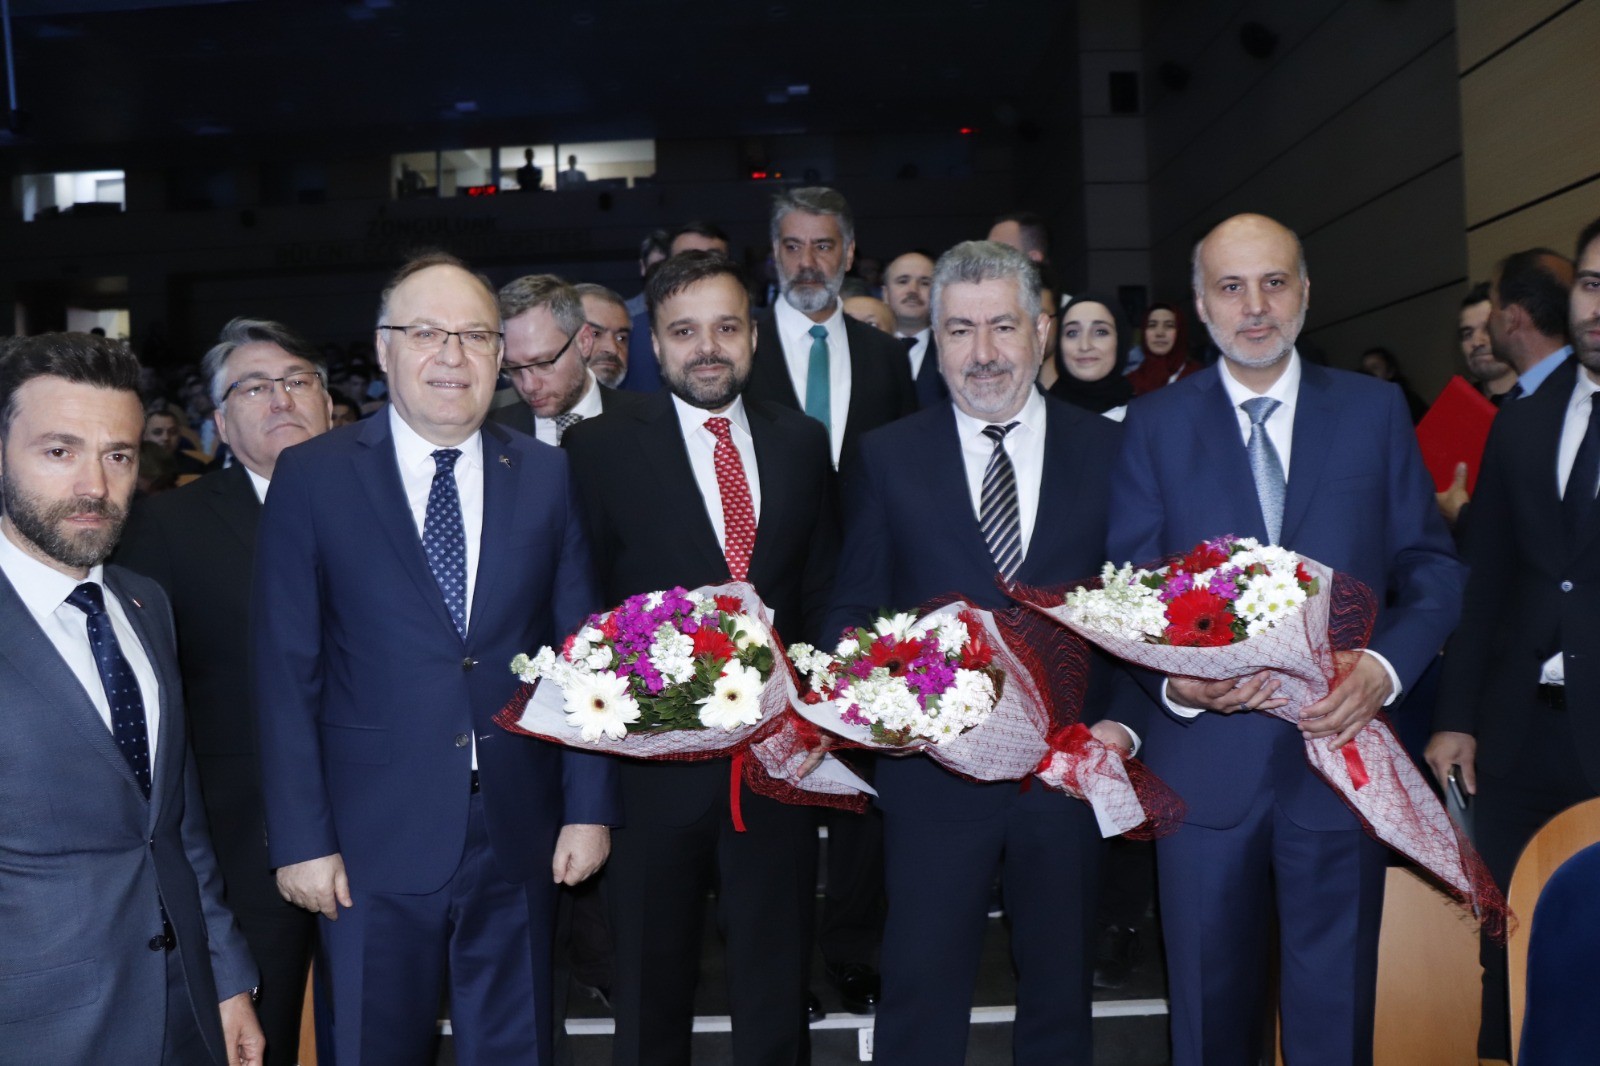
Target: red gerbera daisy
897,657
714,644
730,604
1199,619
1203,557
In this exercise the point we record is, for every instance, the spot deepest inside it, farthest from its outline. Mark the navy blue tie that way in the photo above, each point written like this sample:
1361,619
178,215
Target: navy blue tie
1581,480
444,538
118,680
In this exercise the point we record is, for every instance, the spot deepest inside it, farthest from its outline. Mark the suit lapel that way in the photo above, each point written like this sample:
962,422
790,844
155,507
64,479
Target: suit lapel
943,442
773,475
233,498
378,472
501,485
32,655
1313,435
667,457
1218,440
167,768
1058,489
771,369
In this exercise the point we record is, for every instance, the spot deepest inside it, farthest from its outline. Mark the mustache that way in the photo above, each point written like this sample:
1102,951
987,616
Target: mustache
808,276
1258,323
986,370
101,508
708,360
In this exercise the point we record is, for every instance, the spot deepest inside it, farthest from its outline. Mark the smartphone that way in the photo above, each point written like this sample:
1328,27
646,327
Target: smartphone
1463,800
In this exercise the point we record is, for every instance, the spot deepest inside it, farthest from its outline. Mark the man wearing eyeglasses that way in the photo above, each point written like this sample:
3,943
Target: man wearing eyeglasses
199,542
402,563
548,345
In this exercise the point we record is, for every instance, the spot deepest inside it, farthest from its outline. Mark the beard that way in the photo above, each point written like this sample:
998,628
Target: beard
818,294
1588,353
607,368
701,393
1235,353
40,522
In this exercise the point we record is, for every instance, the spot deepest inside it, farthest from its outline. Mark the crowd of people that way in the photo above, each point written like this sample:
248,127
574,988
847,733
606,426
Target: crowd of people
324,561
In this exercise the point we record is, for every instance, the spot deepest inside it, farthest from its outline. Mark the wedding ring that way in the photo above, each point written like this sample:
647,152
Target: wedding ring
1244,707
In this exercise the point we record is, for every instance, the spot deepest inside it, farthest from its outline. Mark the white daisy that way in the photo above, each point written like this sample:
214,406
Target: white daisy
599,705
735,699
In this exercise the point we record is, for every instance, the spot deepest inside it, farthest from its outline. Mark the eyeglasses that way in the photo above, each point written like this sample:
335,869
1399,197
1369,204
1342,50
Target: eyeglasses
259,390
544,366
430,340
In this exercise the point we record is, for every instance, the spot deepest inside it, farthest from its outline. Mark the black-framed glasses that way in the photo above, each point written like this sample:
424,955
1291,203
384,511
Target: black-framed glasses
259,389
430,340
544,366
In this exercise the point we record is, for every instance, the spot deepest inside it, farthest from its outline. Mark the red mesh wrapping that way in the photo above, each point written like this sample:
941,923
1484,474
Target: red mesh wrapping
766,755
1373,774
1046,674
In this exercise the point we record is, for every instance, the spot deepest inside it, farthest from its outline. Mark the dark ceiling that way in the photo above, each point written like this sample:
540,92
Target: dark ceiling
408,74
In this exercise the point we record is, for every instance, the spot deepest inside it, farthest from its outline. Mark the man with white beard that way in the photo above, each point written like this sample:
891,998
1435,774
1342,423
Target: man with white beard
810,355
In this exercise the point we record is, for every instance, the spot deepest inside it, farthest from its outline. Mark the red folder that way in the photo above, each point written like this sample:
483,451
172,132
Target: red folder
1454,431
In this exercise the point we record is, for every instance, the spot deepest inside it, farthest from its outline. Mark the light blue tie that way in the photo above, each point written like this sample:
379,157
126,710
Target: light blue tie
818,400
1265,466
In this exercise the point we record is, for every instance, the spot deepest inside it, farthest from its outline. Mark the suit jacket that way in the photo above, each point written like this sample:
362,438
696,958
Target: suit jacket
367,696
519,416
1358,500
644,369
650,530
1531,593
88,864
929,383
909,539
880,378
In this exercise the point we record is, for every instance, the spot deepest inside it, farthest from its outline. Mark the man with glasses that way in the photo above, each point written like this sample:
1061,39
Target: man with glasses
547,349
199,543
402,563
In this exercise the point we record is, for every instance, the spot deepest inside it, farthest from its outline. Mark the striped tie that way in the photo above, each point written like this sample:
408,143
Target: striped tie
998,515
1265,467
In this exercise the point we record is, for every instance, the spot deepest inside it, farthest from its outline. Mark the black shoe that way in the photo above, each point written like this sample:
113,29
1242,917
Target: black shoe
858,986
1115,956
814,1011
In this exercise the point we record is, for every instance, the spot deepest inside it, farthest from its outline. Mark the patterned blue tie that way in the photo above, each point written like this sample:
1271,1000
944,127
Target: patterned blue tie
444,538
1265,465
999,513
819,403
118,680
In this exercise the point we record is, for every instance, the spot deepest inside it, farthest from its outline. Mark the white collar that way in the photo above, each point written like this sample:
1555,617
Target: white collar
793,323
413,450
42,588
1032,417
1284,390
691,418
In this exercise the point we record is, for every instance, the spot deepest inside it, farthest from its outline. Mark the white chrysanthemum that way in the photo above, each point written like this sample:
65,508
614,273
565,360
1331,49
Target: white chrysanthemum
735,698
886,699
808,660
747,632
672,654
1268,599
601,657
971,698
952,636
897,626
849,644
599,705
654,600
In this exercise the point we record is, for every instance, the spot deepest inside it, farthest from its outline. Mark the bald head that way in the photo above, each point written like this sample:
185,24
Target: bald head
1251,290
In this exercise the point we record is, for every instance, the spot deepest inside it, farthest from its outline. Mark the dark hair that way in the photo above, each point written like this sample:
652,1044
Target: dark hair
853,286
423,260
81,358
701,228
672,276
1030,228
339,399
1526,281
1119,322
1587,237
813,200
1476,295
1180,340
242,331
657,240
1391,363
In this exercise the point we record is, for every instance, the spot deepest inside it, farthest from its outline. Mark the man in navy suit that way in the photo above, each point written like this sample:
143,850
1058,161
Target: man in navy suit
1323,462
950,529
907,284
402,563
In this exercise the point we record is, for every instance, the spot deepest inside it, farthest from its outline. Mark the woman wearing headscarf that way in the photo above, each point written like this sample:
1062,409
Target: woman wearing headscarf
1165,342
1091,355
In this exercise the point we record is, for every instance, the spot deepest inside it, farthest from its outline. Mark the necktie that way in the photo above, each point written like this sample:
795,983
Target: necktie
908,343
1513,393
1265,465
118,680
444,538
998,513
1577,501
738,513
564,423
818,400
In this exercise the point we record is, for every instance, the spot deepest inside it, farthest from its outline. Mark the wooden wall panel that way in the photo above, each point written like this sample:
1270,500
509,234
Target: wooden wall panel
1552,224
1487,25
1529,119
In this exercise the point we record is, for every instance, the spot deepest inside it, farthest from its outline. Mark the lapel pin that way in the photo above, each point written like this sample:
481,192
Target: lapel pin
506,459
136,603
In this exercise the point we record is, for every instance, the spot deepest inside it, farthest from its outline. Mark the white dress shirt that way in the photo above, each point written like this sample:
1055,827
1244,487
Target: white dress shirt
1280,430
794,331
258,483
701,444
1554,670
44,591
588,406
1025,446
918,350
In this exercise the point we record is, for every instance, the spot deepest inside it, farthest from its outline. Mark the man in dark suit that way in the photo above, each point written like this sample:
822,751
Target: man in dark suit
199,543
402,563
1324,463
908,540
644,371
810,355
907,286
671,490
548,345
1518,714
118,946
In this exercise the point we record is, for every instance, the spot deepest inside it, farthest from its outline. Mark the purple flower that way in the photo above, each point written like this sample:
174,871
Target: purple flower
1178,582
1225,583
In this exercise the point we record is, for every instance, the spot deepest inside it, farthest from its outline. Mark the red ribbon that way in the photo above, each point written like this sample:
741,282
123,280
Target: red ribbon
735,778
1353,763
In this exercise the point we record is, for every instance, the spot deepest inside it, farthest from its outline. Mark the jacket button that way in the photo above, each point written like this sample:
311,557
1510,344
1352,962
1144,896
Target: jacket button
462,740
1566,586
158,943
468,663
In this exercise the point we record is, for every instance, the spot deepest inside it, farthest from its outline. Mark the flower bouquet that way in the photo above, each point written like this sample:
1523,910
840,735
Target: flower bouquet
1233,607
680,675
965,686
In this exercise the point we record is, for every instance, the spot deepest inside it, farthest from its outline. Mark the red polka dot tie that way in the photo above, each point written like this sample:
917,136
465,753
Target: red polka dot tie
738,514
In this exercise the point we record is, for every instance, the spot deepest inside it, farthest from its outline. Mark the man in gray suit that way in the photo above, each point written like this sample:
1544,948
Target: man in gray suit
117,946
